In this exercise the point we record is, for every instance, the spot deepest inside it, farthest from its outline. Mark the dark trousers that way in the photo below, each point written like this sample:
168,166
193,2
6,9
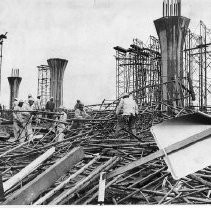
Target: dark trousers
126,122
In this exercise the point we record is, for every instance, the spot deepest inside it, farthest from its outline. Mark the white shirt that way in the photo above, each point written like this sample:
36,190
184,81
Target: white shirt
15,103
128,107
81,114
63,117
17,115
26,115
37,104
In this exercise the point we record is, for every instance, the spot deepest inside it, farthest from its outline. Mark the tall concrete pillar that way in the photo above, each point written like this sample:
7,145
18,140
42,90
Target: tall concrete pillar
171,31
14,82
57,67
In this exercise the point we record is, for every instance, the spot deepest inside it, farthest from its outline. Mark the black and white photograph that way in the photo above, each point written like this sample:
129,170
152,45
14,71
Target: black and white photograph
105,103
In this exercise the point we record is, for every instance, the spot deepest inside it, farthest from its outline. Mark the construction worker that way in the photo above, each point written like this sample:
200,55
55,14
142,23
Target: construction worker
15,103
38,107
126,112
29,96
80,113
37,103
61,126
27,118
50,106
78,102
17,120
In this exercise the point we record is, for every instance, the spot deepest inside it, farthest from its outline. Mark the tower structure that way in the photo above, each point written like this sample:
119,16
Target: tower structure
43,83
171,30
57,67
14,82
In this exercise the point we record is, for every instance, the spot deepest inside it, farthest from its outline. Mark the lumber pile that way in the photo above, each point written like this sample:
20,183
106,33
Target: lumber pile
46,172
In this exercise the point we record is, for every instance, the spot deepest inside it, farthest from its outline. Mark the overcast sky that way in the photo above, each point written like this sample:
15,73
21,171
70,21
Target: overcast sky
82,31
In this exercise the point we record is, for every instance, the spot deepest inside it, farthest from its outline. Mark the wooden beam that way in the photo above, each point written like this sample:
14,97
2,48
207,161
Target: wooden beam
28,169
33,189
65,182
160,153
82,183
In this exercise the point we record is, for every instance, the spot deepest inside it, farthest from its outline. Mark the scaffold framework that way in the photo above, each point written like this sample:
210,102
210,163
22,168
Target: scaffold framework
138,71
43,83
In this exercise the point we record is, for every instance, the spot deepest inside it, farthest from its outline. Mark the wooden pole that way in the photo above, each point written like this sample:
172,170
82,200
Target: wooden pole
62,184
27,170
33,189
72,190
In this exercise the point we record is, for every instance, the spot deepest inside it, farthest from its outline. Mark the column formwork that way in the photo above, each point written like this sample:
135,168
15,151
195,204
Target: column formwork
171,31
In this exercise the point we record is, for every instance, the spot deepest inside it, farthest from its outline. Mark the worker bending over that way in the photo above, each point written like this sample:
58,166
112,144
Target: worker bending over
61,124
17,120
126,112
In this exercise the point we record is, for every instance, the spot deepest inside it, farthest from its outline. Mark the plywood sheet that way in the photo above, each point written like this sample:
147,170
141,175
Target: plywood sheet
190,159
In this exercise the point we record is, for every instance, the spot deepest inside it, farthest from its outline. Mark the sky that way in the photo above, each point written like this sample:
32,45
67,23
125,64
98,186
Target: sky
82,31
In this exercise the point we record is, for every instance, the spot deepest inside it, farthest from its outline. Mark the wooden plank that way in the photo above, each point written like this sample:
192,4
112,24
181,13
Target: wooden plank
33,189
160,153
28,169
82,183
66,181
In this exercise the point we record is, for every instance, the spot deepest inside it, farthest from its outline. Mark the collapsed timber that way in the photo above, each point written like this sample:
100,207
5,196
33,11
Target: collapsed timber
45,171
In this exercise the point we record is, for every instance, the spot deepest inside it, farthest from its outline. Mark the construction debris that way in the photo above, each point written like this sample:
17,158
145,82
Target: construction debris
84,161
135,172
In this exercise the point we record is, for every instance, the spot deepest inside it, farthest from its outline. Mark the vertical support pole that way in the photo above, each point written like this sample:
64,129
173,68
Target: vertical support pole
205,66
201,69
102,181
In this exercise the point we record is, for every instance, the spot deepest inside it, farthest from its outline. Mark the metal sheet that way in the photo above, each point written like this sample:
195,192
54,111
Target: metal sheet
190,159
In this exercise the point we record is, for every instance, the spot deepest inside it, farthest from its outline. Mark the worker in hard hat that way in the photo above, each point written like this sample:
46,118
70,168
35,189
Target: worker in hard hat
17,120
38,107
50,106
80,113
62,118
126,112
27,118
15,102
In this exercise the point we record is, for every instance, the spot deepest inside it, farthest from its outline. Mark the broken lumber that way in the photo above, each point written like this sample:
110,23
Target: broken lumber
161,153
33,189
82,182
62,184
27,170
107,185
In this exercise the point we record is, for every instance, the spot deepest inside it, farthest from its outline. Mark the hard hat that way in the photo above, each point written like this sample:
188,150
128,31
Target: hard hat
39,96
61,107
15,99
51,97
30,95
125,95
20,101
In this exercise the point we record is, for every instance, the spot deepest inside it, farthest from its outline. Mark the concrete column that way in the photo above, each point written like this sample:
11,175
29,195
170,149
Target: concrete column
171,32
14,82
57,67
